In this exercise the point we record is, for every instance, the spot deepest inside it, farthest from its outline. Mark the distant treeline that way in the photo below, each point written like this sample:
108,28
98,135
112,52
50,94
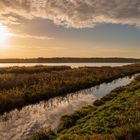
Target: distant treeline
71,60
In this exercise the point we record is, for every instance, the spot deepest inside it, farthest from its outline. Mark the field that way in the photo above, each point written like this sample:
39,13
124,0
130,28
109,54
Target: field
20,86
114,117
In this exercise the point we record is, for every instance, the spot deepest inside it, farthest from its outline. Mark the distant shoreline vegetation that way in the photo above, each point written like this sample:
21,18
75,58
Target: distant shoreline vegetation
71,60
21,86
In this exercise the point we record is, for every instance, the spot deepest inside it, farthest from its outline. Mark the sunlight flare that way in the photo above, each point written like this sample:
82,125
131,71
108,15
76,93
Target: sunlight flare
3,34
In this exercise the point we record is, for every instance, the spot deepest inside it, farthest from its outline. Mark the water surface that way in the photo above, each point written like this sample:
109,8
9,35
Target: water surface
73,65
18,125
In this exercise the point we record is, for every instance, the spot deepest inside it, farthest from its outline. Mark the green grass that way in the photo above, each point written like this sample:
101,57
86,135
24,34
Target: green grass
20,86
114,117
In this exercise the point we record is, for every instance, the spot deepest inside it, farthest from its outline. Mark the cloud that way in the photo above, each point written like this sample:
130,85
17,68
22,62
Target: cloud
29,36
73,13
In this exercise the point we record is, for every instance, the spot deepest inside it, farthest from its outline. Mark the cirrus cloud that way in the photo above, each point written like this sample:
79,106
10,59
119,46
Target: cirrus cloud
29,36
73,13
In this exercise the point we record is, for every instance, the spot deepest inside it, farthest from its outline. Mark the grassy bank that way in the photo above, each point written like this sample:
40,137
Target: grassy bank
23,86
114,117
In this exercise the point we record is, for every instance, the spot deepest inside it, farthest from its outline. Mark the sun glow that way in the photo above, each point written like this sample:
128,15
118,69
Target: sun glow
3,34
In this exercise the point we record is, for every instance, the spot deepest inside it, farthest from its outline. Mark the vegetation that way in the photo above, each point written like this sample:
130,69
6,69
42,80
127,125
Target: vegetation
23,86
114,117
71,60
31,70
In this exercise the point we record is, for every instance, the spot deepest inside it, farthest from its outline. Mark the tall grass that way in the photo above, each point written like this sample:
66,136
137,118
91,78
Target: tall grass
32,69
23,86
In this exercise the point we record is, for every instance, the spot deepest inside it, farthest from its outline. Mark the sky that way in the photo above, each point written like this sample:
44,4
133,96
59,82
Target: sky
69,28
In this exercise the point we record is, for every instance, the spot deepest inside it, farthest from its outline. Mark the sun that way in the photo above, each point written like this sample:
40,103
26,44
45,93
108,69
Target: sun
3,34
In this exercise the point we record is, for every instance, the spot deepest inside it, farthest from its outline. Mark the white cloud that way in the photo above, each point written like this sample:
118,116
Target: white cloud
29,36
74,13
